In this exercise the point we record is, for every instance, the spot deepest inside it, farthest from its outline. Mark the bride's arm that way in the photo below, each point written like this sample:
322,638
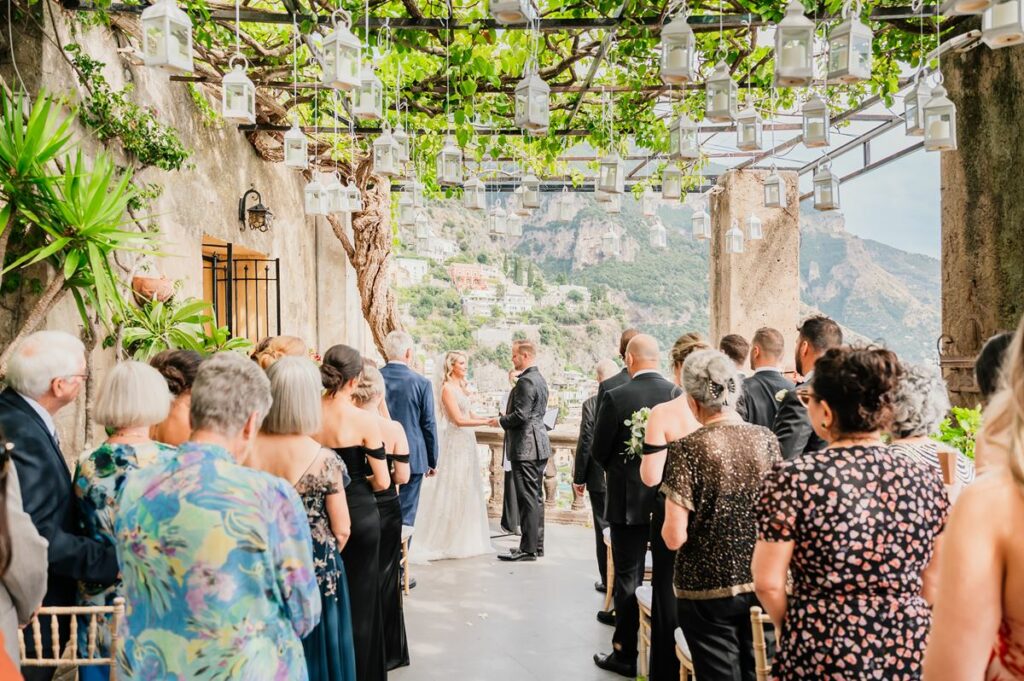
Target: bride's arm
401,451
455,415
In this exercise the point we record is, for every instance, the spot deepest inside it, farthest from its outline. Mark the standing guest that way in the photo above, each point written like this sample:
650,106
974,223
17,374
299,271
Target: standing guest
588,477
178,367
410,400
988,366
765,389
355,436
132,398
273,348
218,572
528,449
286,449
712,483
978,632
629,503
737,349
369,396
45,374
669,421
621,378
792,426
854,527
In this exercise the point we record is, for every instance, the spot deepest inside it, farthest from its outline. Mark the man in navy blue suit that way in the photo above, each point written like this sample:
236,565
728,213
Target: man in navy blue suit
410,398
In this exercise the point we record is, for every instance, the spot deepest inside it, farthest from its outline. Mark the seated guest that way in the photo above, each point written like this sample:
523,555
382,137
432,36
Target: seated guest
855,526
765,389
273,348
132,397
978,628
178,367
736,348
45,374
712,482
286,449
216,560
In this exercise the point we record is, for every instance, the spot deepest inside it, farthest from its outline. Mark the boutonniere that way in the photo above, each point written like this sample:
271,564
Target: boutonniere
316,358
781,395
637,430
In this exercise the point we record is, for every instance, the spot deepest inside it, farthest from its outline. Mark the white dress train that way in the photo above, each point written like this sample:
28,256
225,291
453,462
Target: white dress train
452,518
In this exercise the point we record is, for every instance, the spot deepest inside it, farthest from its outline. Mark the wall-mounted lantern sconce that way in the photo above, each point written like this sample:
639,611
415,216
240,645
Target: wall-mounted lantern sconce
256,217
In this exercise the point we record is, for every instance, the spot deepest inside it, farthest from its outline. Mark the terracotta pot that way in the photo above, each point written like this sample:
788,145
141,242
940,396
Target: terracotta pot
152,288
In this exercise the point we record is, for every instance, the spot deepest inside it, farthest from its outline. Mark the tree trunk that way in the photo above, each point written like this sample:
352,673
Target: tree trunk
51,295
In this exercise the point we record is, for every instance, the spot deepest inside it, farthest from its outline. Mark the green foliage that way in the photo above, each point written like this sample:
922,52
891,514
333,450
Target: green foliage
960,429
425,300
210,117
158,326
500,356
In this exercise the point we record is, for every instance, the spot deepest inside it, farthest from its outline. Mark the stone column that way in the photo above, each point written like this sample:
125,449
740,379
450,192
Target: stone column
761,286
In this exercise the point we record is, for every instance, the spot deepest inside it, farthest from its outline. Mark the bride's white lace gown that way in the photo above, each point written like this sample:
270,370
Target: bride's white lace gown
452,518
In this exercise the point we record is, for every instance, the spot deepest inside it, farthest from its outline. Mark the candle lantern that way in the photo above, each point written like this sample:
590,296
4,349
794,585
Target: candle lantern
774,190
794,48
406,208
649,203
385,152
315,197
755,228
671,183
516,205
337,196
449,164
913,107
939,122
512,11
167,37
368,98
849,52
1002,24
678,47
720,95
238,93
658,235
473,196
422,226
610,178
700,224
355,198
749,129
610,243
497,221
401,137
815,123
341,54
683,141
531,191
515,226
613,205
532,97
826,189
565,206
295,145
734,239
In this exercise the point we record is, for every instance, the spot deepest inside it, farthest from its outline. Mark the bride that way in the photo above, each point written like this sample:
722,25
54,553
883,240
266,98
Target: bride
452,518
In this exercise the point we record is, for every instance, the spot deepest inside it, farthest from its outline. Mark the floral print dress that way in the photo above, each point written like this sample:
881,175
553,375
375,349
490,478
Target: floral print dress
864,523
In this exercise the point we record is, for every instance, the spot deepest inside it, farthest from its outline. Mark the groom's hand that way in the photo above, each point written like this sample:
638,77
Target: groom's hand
494,423
431,472
579,489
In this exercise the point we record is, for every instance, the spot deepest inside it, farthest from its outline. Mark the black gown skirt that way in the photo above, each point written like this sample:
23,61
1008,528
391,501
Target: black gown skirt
396,647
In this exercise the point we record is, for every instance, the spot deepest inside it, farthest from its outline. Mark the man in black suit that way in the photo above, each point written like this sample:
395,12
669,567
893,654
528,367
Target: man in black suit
528,449
792,426
764,390
622,377
629,503
44,375
736,348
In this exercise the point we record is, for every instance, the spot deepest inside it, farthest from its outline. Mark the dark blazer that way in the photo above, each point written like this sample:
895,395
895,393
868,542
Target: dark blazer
621,378
793,427
526,437
628,500
761,396
410,398
586,471
49,500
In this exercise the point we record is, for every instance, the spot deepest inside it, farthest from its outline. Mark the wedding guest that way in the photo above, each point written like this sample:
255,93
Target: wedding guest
793,428
45,373
215,556
855,527
988,365
736,348
178,367
355,436
621,378
273,348
978,629
629,504
132,398
369,396
764,390
712,483
286,449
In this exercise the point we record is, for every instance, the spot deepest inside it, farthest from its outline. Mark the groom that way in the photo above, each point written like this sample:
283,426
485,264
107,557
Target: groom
527,448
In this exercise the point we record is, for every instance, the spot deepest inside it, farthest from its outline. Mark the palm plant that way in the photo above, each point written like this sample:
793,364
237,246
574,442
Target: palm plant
159,326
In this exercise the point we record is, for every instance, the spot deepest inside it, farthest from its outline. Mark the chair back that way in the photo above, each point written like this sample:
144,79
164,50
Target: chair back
762,666
108,616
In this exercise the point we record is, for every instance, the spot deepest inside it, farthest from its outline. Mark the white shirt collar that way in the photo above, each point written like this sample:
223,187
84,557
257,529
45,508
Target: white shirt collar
760,369
645,371
398,361
43,414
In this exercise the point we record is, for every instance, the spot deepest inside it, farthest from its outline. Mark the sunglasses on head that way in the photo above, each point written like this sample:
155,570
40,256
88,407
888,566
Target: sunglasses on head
805,395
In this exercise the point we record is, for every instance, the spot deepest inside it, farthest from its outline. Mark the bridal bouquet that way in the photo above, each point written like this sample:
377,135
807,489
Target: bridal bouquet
637,429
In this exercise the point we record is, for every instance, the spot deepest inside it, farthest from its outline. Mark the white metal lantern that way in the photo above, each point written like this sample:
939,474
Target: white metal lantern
939,122
610,243
449,164
658,235
337,196
385,153
565,206
368,98
512,11
700,224
422,226
774,191
238,93
913,107
613,205
649,203
794,48
416,187
532,98
401,138
342,52
755,228
1002,24
295,145
826,189
315,197
683,140
406,208
473,194
515,225
671,183
531,191
611,179
749,130
167,37
734,239
678,47
815,123
721,95
355,198
849,52
497,221
516,204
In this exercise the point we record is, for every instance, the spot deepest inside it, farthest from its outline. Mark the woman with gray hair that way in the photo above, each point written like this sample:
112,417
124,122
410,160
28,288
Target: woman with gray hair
711,485
920,403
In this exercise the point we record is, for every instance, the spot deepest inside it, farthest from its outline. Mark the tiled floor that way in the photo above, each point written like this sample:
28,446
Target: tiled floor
483,620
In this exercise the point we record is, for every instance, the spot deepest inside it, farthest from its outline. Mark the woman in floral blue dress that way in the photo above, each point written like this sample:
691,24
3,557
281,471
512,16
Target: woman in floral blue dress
133,397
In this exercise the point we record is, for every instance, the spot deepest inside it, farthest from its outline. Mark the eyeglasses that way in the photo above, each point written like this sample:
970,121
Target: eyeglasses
70,376
805,395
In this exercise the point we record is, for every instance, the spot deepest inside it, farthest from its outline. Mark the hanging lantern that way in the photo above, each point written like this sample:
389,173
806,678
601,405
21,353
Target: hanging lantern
755,228
671,183
734,239
826,189
368,98
532,98
422,226
342,54
649,203
238,94
610,243
385,152
449,164
683,141
794,48
939,122
955,7
516,205
531,191
774,191
815,122
1002,24
315,197
515,226
749,128
497,221
406,208
849,52
355,198
700,224
416,188
337,196
658,235
913,107
566,210
512,11
613,205
473,194
401,137
295,145
167,37
610,178
678,47
721,95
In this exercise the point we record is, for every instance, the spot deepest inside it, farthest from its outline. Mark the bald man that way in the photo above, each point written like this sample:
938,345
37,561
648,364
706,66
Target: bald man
629,503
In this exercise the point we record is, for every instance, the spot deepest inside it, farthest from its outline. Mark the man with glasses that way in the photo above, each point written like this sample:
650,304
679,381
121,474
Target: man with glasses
45,373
